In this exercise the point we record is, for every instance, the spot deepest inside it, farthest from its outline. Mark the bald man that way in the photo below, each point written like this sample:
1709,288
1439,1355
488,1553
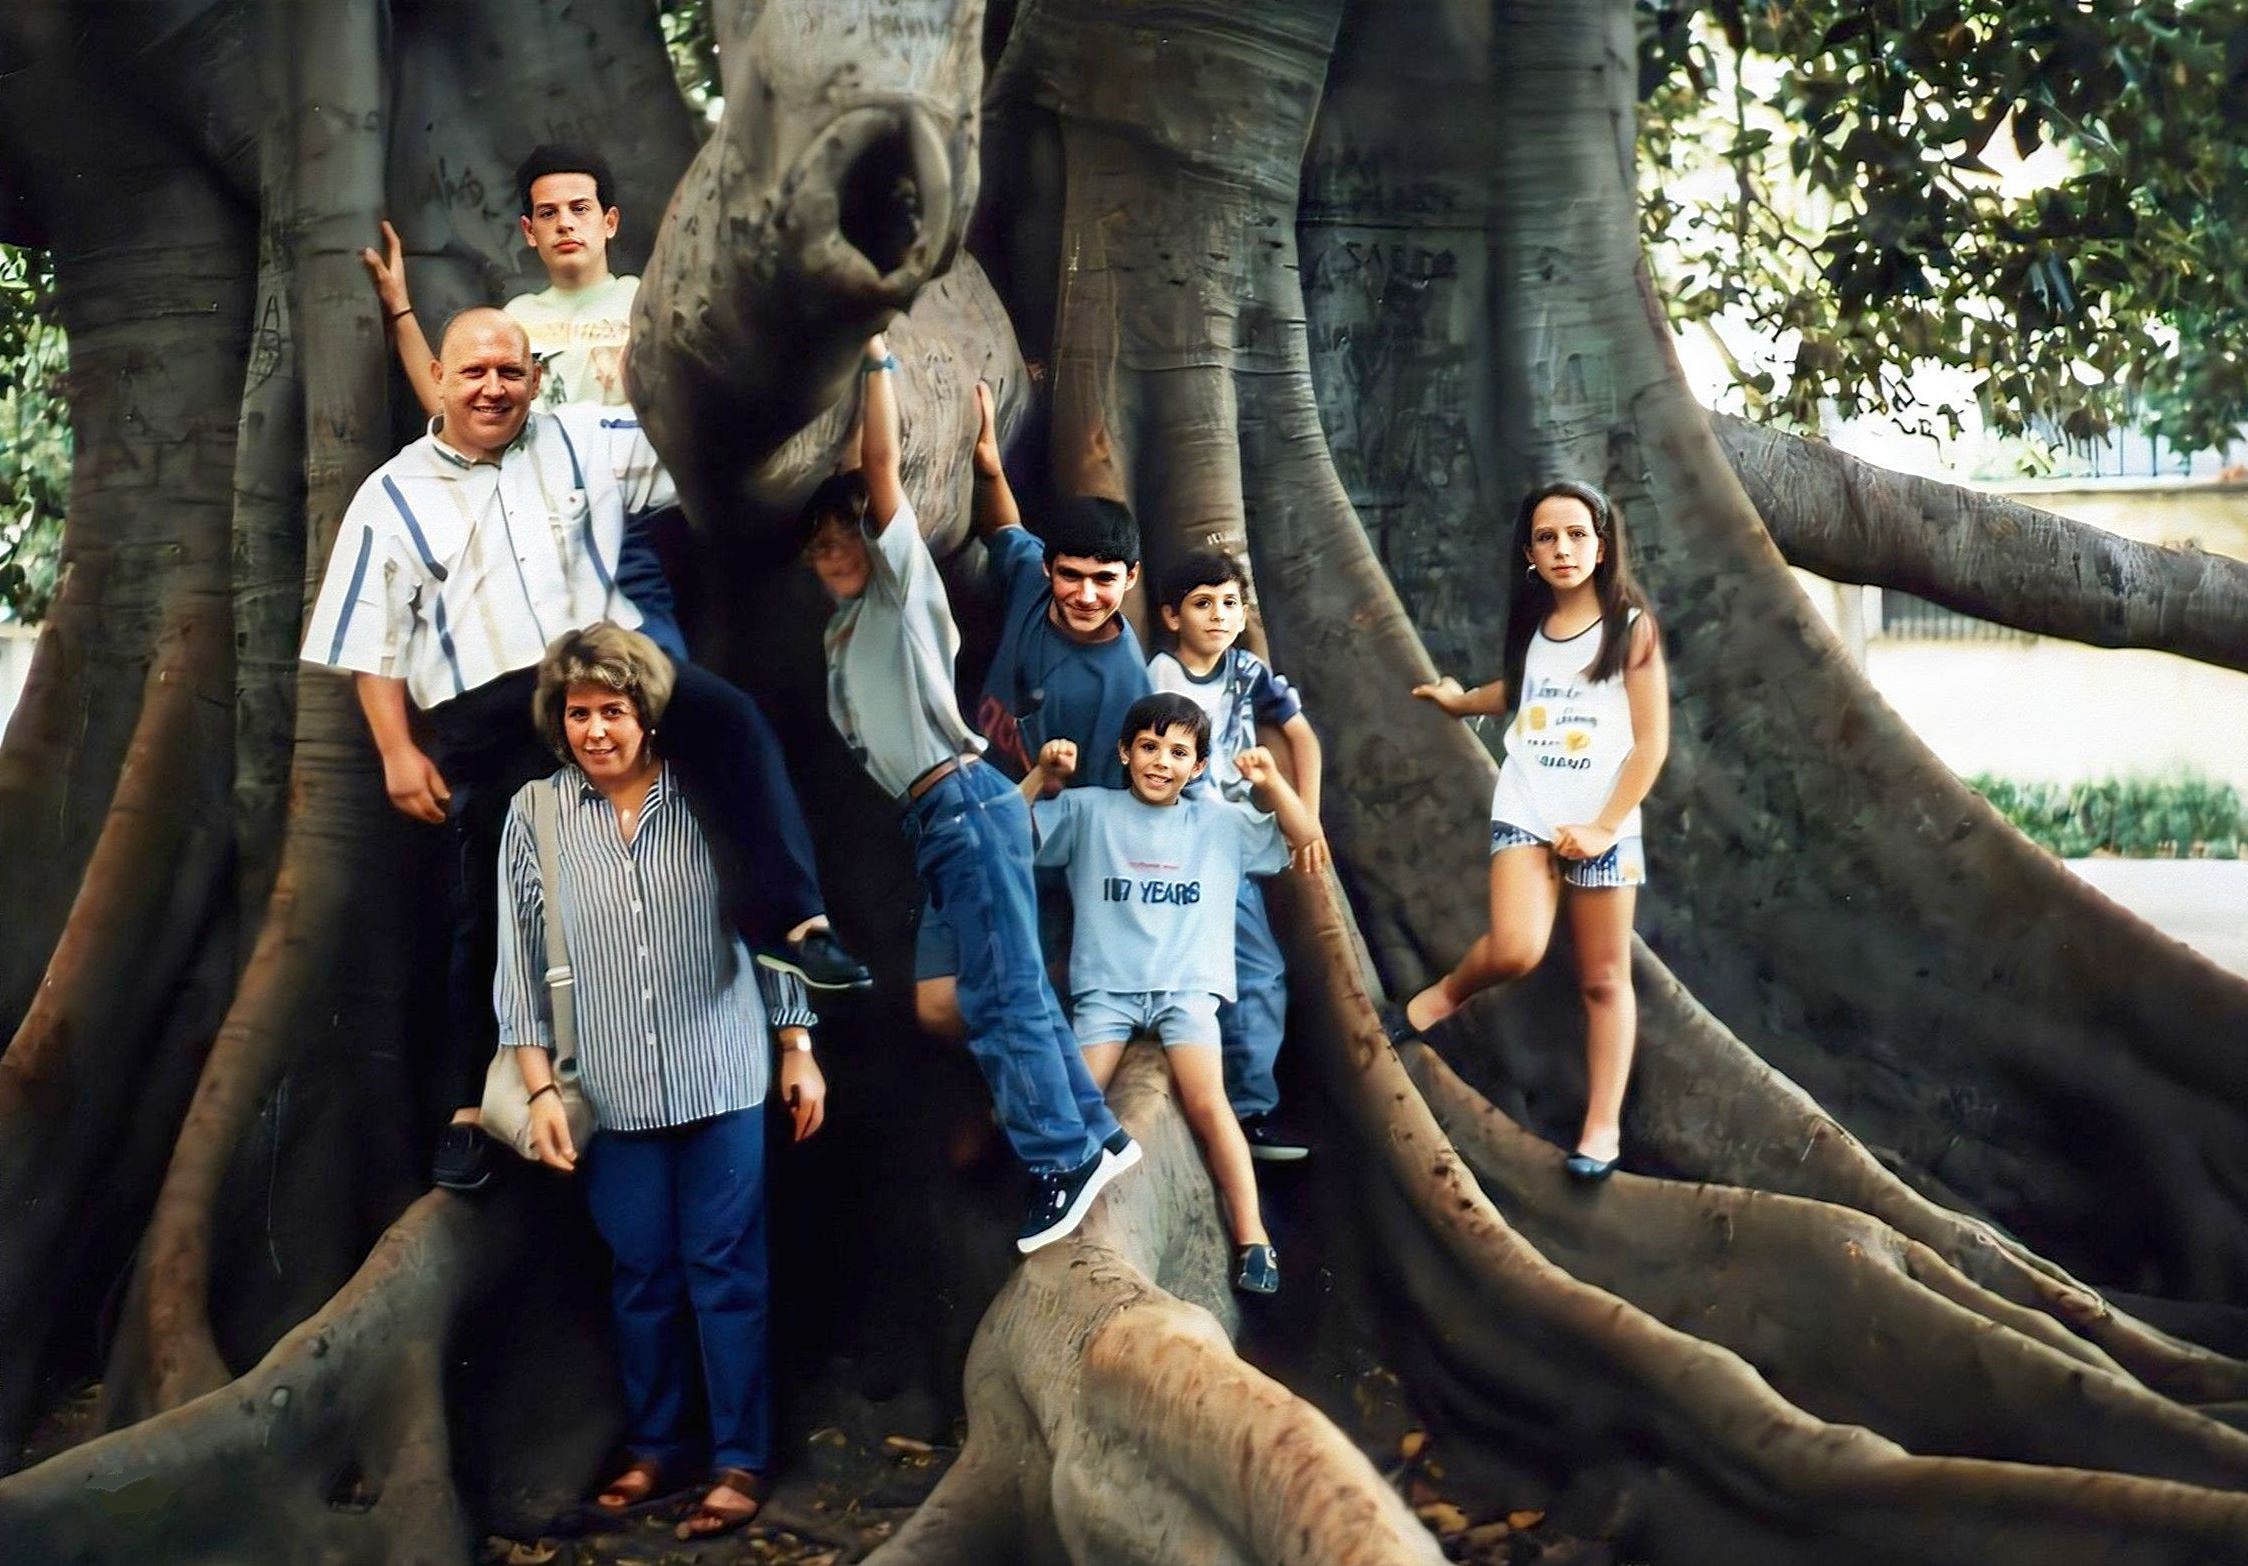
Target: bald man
456,564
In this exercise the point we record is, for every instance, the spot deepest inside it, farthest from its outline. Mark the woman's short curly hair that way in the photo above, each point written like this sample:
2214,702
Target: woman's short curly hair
608,655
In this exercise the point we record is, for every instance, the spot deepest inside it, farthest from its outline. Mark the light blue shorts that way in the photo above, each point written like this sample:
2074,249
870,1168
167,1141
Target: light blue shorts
1625,863
1173,1016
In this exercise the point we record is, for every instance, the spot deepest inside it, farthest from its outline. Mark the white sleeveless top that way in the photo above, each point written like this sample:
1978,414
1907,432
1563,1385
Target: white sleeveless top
1568,741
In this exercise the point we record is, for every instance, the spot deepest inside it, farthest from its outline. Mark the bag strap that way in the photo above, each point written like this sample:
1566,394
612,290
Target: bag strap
546,826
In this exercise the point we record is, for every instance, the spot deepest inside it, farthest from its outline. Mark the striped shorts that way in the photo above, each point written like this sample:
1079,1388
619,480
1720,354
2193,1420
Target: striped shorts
1625,863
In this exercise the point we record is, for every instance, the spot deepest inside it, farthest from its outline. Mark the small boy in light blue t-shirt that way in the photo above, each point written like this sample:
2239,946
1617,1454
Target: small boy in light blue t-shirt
1153,874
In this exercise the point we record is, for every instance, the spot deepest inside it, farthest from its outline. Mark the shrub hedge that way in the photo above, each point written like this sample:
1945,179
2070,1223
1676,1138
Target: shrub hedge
2138,818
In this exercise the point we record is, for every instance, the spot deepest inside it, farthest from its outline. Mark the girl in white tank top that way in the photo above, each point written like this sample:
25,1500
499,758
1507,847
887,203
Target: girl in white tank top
1585,681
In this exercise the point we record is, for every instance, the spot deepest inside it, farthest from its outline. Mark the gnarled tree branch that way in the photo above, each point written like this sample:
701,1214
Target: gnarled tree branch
1990,556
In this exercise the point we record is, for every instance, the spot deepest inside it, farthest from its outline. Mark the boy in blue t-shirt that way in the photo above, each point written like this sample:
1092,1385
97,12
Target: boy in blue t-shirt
1152,872
1205,605
1067,666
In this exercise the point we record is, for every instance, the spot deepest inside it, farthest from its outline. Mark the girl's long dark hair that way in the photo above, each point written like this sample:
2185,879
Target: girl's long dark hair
1532,600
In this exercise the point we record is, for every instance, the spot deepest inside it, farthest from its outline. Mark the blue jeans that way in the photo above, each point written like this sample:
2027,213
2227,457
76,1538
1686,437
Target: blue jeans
971,847
683,1212
731,768
1250,1025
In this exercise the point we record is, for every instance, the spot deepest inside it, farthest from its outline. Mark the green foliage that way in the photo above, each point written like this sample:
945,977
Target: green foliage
1823,170
34,434
2139,818
688,34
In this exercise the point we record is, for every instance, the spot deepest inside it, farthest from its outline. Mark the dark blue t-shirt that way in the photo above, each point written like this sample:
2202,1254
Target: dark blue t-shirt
1042,686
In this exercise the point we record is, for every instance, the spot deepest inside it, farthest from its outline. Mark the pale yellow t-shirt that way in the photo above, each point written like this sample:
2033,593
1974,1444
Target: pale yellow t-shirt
580,336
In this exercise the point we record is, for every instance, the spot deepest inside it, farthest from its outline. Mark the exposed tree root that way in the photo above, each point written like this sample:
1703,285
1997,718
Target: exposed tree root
1990,556
326,70
1712,1463
334,1447
1704,1107
1110,1420
76,1074
1847,1318
142,634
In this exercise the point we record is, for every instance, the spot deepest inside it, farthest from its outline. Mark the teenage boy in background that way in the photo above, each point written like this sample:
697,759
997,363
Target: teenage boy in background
1205,606
580,323
1067,667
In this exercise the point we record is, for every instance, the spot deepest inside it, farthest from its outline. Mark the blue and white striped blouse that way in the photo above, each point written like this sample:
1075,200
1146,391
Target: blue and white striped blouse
672,1014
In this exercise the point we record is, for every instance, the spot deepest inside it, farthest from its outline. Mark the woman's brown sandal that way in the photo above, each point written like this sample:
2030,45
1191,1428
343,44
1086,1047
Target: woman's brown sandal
636,1484
708,1522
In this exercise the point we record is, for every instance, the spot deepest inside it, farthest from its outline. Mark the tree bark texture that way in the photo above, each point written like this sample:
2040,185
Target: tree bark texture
1841,902
1990,556
1673,1436
1327,283
1110,1418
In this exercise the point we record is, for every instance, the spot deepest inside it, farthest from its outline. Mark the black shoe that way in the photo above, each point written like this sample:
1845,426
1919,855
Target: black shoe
1585,1167
462,1162
819,960
1121,1148
1258,1271
1269,1143
1058,1202
1399,1028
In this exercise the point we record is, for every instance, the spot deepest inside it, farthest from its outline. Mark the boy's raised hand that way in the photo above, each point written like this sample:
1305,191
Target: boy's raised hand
1256,766
987,431
1057,758
388,270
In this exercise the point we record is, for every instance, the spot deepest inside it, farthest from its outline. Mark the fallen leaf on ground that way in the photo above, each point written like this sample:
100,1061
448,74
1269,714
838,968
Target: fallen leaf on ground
1443,1516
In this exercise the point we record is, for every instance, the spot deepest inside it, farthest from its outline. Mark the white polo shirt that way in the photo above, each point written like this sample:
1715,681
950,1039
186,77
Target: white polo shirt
449,572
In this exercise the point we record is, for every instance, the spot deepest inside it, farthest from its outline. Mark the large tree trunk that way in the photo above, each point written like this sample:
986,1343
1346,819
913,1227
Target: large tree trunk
1825,886
1893,1033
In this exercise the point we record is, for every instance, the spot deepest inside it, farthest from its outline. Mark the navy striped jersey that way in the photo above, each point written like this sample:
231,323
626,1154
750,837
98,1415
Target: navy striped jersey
672,1015
1238,693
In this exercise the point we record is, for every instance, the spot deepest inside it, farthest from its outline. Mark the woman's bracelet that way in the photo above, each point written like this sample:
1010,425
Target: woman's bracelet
888,361
549,1088
390,316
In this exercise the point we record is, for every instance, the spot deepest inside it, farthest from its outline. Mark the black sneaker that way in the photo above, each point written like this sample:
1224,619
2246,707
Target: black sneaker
1121,1148
1058,1202
1258,1271
819,960
462,1162
1269,1143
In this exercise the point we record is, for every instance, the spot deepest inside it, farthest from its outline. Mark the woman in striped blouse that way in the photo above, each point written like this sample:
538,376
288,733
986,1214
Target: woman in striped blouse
675,1040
